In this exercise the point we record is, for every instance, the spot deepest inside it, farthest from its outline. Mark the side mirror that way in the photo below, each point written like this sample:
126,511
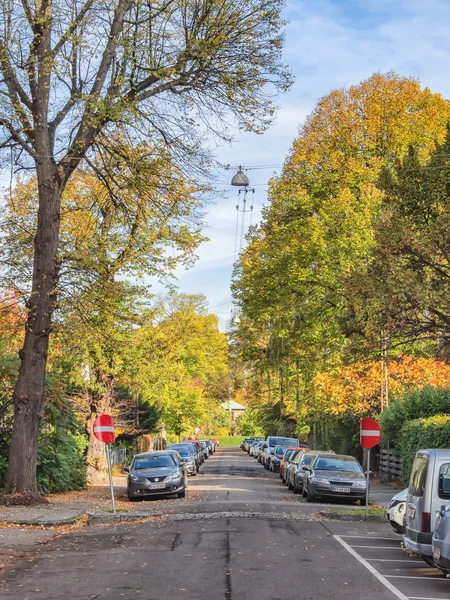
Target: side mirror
126,469
305,468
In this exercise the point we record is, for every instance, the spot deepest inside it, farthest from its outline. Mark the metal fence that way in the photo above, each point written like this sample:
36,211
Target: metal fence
119,456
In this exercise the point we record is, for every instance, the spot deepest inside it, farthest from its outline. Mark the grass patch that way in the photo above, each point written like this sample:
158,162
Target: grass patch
231,440
360,511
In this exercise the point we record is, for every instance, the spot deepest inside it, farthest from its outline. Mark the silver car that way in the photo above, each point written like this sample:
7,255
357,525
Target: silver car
156,474
441,540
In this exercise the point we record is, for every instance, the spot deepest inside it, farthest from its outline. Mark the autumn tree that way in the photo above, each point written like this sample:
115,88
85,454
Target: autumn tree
318,230
143,220
73,76
404,287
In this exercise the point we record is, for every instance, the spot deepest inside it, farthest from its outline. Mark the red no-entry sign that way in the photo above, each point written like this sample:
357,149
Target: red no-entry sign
370,433
104,429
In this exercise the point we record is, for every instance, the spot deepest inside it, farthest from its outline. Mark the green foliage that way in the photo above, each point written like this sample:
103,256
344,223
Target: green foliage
420,434
249,423
62,445
340,434
426,402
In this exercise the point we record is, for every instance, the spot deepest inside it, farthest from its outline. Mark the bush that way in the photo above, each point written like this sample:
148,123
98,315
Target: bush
431,432
427,402
61,452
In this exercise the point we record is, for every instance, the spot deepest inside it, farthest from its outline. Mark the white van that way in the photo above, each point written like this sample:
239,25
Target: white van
271,443
427,492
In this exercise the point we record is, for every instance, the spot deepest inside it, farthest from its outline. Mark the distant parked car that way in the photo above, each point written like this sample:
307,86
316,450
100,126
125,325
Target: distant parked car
396,511
290,467
277,455
255,448
215,441
271,443
155,474
298,474
284,461
210,447
334,476
187,456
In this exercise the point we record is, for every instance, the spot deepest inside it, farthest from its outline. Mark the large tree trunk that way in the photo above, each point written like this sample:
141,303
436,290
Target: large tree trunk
30,387
101,402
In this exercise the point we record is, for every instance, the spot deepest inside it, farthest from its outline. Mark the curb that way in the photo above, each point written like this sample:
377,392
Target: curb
45,522
338,516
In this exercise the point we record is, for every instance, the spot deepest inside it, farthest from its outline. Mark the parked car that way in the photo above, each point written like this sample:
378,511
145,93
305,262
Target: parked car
209,446
199,448
297,476
292,463
396,511
204,448
215,441
428,490
255,448
155,474
334,476
187,456
441,537
284,461
273,441
251,440
277,455
242,445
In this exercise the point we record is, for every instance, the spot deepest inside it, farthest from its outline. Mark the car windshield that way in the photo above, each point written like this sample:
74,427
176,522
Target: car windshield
153,462
287,454
279,451
338,464
306,460
182,451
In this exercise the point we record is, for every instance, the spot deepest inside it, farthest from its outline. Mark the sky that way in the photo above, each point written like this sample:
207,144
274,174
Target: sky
329,44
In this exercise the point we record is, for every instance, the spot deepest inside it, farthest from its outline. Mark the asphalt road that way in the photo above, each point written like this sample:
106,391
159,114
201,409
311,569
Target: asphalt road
224,557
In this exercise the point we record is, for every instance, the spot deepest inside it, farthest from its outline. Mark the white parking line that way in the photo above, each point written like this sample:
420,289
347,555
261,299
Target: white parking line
422,598
364,537
406,560
413,577
372,570
378,547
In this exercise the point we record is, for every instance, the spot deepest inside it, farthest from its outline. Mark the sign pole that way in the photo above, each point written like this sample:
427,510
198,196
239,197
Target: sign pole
368,480
108,458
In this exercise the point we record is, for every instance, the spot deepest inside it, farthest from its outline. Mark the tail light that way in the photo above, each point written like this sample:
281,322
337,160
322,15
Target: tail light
425,522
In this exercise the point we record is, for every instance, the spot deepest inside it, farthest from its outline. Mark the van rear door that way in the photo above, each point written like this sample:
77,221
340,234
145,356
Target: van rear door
418,526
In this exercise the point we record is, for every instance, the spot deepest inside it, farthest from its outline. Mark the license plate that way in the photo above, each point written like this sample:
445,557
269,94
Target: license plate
411,512
436,553
157,486
341,489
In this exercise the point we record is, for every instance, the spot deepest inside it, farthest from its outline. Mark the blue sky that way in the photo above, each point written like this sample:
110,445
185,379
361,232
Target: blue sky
329,44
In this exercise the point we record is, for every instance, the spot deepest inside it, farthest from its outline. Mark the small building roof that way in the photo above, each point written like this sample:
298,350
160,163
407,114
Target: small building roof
232,405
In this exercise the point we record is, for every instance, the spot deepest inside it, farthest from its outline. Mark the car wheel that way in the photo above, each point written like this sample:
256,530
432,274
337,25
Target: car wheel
309,496
290,486
182,494
296,489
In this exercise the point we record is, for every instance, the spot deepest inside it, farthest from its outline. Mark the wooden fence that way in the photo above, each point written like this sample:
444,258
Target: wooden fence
390,466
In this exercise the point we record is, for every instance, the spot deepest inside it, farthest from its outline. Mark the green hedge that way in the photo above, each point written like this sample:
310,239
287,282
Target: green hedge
422,403
431,432
231,440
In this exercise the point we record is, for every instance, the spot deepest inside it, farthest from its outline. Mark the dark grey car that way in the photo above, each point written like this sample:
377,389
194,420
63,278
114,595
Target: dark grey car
334,476
156,474
187,456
